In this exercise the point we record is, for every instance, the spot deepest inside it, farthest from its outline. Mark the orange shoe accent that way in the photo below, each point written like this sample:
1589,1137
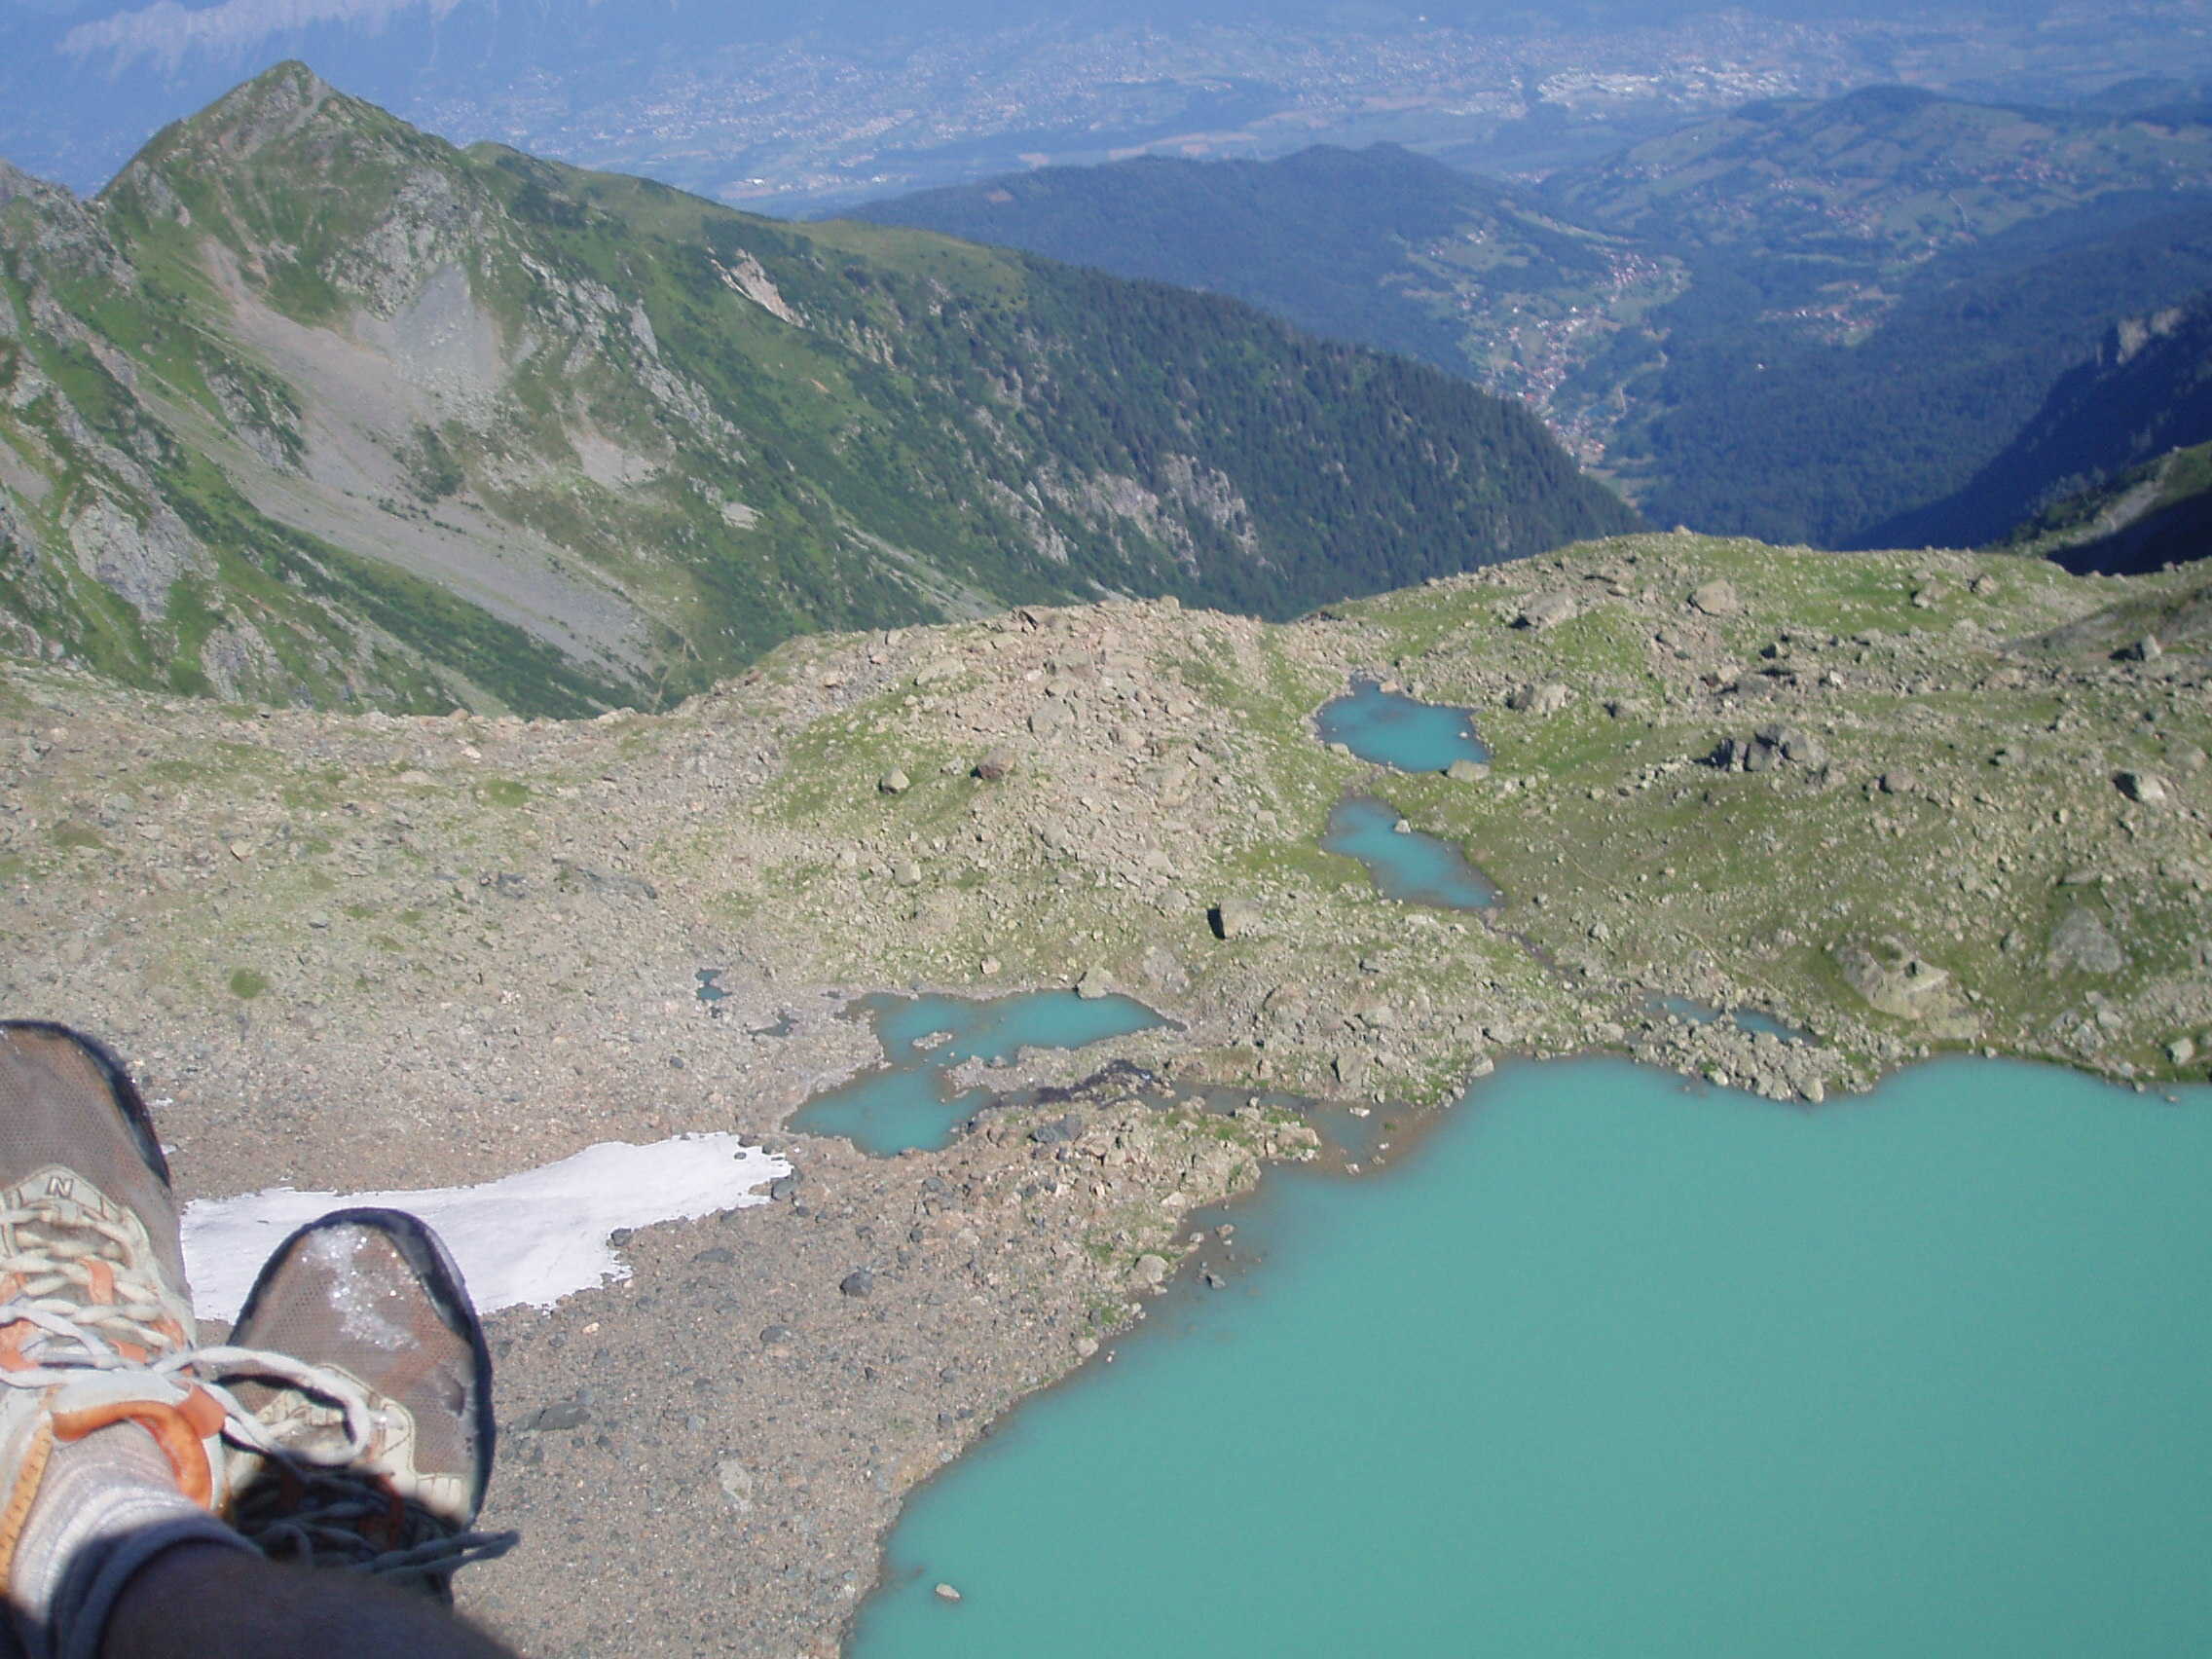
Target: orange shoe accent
174,1431
102,1275
19,1506
203,1411
13,1337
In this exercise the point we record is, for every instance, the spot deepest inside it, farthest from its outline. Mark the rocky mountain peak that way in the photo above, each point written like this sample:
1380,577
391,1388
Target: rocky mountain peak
273,107
285,126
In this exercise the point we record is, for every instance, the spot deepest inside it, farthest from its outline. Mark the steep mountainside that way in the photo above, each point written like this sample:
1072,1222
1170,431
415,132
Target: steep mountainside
2146,392
310,405
2153,515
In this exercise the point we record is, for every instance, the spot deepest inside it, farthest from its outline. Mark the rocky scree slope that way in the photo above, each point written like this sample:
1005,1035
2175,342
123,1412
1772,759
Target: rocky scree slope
1906,803
310,406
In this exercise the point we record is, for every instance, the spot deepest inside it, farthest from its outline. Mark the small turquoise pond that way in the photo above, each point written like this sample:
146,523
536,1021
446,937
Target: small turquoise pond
1757,1022
910,1102
1391,730
1407,866
1614,1367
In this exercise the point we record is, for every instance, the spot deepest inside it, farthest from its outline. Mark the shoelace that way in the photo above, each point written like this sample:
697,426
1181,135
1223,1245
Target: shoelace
106,1296
346,1518
119,1324
117,1321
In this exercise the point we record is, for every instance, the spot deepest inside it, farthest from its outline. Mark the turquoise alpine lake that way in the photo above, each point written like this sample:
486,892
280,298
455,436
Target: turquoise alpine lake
1617,1365
1388,729
909,1101
1404,863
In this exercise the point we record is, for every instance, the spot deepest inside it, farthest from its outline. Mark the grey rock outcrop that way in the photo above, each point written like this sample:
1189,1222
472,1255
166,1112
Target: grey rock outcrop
1547,698
1236,918
1769,746
1897,981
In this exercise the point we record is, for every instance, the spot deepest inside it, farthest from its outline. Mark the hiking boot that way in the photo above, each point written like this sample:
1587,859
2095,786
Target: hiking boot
377,1456
95,1320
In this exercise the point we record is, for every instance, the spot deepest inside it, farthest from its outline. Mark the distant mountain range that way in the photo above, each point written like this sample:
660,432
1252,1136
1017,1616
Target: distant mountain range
1803,320
309,405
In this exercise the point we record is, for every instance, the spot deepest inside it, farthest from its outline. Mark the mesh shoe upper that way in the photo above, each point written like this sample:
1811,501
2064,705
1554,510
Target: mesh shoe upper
95,1321
369,1297
67,1106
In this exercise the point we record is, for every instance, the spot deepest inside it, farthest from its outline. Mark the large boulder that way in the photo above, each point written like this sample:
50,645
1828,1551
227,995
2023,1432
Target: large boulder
1545,699
1546,611
1897,981
1236,918
2081,942
1716,598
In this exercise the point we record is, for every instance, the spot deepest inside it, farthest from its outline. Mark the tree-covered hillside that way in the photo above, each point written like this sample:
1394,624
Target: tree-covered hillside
2147,391
1380,246
1798,321
1839,444
309,404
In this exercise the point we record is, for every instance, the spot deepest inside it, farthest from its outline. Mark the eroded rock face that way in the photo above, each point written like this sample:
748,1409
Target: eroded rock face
138,559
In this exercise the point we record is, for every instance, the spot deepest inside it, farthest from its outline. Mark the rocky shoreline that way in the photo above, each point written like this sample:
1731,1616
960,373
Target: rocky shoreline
1903,803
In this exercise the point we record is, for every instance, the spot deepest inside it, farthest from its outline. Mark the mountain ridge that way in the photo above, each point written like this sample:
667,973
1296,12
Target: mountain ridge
583,432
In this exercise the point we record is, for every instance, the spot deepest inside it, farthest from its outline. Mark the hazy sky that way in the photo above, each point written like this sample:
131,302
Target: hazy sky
83,83
168,28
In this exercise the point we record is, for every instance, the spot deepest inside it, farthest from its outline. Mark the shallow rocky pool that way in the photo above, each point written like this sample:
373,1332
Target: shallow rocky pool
910,1100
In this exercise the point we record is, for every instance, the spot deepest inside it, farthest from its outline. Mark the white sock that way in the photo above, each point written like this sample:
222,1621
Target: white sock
106,1506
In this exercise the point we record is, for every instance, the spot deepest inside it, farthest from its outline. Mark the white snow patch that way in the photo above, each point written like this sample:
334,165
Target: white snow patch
528,1238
